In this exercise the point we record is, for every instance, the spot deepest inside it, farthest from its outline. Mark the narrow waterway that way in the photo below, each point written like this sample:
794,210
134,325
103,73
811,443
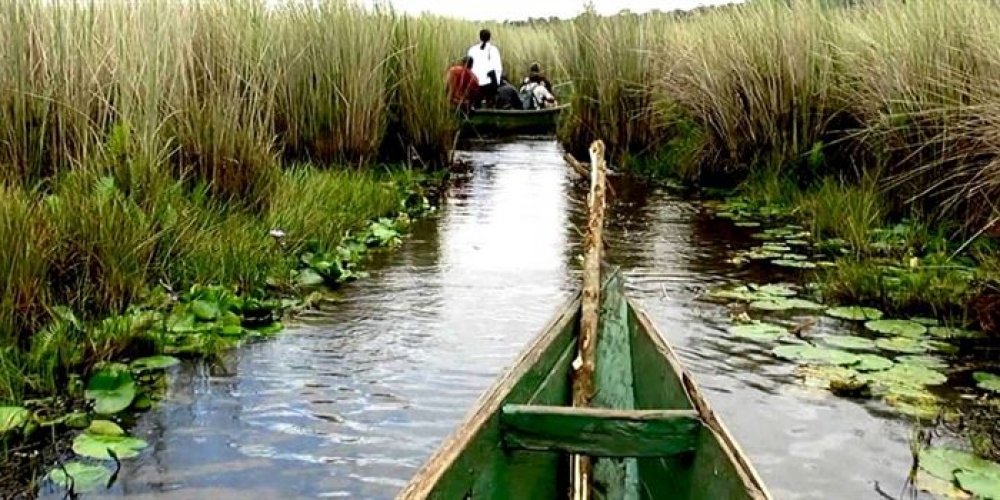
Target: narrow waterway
351,400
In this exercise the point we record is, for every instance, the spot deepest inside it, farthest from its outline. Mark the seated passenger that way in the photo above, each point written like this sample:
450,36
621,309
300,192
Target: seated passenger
462,84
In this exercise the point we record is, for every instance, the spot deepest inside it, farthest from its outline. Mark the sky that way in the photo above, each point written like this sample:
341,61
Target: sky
500,10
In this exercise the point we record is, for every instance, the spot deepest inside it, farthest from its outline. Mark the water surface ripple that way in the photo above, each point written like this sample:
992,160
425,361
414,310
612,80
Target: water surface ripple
350,402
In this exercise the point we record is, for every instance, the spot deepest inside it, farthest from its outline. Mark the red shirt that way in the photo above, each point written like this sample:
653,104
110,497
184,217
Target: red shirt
462,84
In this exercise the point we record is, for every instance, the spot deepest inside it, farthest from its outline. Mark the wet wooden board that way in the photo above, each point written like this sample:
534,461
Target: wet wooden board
600,432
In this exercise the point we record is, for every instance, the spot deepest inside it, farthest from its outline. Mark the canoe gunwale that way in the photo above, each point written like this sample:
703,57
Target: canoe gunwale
520,112
748,474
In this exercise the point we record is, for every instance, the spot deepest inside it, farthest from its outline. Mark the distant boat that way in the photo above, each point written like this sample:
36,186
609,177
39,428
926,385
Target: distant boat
489,121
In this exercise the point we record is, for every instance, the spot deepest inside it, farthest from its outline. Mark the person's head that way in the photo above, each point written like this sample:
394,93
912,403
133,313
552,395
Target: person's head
467,62
484,36
535,68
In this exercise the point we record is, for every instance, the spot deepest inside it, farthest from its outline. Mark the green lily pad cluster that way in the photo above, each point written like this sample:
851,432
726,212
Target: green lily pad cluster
340,266
209,316
977,476
742,210
783,247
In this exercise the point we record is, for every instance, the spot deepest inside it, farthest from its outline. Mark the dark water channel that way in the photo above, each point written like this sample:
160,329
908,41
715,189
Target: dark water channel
351,400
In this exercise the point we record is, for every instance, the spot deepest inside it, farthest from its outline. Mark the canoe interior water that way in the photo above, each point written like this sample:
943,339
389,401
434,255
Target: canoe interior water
649,428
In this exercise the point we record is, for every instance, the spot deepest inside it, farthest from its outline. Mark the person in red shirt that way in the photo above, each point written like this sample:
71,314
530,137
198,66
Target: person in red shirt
462,84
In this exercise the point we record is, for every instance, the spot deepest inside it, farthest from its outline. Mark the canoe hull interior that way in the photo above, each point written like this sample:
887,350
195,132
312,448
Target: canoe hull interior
649,429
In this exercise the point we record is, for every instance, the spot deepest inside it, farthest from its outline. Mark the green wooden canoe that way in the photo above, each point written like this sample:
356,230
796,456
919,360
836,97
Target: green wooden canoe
649,429
513,121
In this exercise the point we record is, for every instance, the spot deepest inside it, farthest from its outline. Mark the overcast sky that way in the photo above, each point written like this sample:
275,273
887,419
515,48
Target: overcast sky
500,10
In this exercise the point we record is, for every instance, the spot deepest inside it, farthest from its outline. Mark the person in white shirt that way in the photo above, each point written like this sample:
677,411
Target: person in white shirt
486,65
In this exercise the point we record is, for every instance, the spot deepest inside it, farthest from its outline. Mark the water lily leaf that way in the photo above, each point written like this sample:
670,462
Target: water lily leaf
925,321
922,411
987,381
308,278
808,352
760,255
946,463
783,304
758,331
901,344
160,362
104,428
939,487
948,332
800,264
872,363
854,313
775,247
97,446
823,375
849,342
776,290
747,224
231,330
794,256
78,420
12,417
112,389
83,477
981,485
797,242
900,327
925,361
204,310
902,377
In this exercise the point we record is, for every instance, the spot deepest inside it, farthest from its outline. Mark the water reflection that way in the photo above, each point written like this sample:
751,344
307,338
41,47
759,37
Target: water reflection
351,401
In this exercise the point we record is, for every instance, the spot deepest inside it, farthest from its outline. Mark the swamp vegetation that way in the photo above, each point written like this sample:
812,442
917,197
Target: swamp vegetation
176,177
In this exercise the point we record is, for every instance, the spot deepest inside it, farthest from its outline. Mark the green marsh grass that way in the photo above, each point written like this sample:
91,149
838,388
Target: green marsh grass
159,143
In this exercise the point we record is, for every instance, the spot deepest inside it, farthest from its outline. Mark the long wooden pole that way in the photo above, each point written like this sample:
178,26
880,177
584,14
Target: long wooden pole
583,379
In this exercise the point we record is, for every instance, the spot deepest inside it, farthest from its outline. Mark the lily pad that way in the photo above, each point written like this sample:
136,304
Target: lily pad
761,255
939,487
783,304
981,485
748,224
154,363
309,278
949,332
104,428
824,376
794,256
849,342
775,247
759,331
903,377
97,446
901,344
872,363
806,352
776,290
987,381
855,313
900,327
204,310
925,321
12,417
926,361
799,264
82,476
113,389
979,476
797,242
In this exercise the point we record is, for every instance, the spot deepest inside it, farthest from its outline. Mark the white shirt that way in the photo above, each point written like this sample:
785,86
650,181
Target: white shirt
485,60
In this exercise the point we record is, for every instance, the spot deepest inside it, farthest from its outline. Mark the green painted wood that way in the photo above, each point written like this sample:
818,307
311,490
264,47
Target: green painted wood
599,432
614,478
474,460
535,474
656,386
513,121
716,469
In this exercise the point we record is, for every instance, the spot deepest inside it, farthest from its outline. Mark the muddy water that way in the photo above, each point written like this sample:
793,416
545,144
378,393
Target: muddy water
349,402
